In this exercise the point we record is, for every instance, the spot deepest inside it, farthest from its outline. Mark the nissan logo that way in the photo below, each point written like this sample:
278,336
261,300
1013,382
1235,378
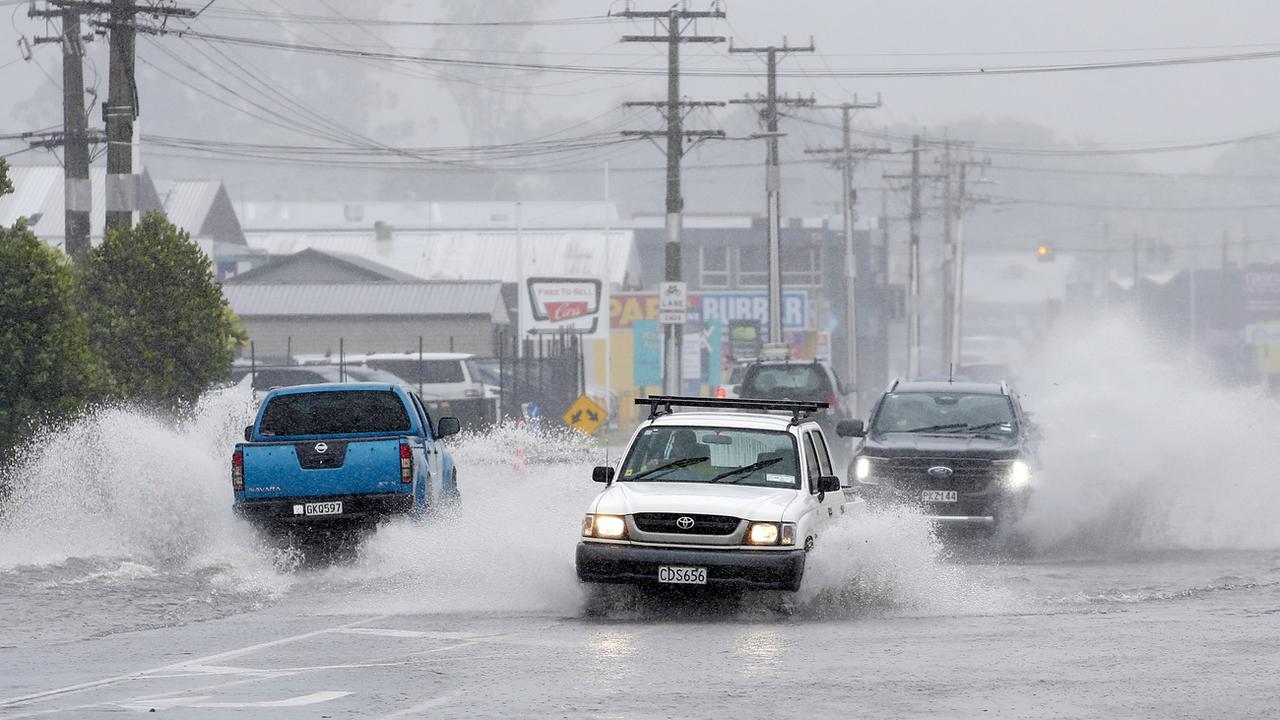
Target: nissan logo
940,472
324,448
684,522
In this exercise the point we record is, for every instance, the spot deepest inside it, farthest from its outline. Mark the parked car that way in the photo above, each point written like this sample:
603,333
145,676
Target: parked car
263,378
447,382
964,453
337,458
733,493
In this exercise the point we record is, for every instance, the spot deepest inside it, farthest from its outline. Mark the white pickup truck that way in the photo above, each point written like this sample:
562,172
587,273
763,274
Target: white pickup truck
729,492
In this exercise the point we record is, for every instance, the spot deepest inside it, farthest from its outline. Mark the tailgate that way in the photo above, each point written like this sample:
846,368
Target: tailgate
318,468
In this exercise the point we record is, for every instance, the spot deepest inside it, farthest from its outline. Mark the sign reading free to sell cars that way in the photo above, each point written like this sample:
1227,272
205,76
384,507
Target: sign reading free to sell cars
554,305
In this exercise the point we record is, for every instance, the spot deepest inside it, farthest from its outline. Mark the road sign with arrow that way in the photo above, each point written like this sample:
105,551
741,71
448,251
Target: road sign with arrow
585,415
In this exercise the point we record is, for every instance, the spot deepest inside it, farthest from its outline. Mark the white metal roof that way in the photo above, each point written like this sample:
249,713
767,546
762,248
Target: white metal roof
475,254
422,215
370,299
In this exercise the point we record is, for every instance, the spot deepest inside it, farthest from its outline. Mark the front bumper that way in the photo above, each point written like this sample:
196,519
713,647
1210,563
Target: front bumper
977,510
638,564
356,510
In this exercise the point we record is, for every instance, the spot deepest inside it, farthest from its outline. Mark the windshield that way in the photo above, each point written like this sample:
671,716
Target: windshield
797,382
764,458
945,413
332,413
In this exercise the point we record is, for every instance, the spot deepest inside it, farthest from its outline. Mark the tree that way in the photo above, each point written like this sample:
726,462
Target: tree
157,314
6,187
48,369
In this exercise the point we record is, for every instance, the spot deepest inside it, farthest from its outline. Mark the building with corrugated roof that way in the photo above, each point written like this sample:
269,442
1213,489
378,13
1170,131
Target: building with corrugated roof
319,303
38,196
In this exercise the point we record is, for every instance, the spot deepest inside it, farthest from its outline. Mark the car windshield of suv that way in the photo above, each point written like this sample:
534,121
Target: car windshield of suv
945,413
732,456
337,412
797,382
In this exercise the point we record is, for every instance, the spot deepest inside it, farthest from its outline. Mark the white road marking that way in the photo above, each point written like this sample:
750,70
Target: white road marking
202,701
416,709
207,660
383,632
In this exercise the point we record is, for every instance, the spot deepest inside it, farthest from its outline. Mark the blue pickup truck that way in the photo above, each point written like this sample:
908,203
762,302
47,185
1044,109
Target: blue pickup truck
341,457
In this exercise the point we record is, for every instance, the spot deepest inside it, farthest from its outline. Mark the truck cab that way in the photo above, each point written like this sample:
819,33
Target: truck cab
342,455
731,493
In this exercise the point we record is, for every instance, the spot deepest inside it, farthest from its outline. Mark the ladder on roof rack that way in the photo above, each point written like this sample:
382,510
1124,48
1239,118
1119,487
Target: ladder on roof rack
663,404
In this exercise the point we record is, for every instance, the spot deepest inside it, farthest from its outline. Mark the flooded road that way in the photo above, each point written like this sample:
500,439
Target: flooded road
1153,591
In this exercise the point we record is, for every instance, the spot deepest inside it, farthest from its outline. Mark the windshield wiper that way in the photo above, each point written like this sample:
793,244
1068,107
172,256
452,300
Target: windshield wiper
988,426
683,462
935,428
745,469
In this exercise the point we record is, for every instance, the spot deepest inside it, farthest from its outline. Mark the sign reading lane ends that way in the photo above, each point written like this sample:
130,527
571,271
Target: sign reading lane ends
673,303
585,415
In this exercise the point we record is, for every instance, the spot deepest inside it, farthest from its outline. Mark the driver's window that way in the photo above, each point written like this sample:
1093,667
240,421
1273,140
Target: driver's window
423,417
824,457
811,460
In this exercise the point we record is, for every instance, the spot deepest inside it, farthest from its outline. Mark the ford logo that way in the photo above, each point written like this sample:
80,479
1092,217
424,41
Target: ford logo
684,522
324,448
940,472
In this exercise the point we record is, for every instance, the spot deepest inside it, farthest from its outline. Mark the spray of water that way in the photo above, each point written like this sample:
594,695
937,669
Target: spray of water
1144,450
124,484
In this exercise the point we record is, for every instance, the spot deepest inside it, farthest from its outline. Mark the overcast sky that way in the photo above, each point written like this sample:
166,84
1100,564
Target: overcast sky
1164,104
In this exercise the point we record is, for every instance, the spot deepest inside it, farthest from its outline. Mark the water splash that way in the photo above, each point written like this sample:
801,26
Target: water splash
1143,451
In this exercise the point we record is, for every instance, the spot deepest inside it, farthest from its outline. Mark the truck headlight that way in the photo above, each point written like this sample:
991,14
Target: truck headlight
768,533
604,526
862,471
1019,475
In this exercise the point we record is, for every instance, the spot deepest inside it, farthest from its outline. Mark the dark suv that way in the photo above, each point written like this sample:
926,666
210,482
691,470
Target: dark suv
963,452
810,381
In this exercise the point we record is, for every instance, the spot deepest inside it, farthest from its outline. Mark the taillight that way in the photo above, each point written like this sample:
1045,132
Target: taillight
237,471
831,401
406,463
720,393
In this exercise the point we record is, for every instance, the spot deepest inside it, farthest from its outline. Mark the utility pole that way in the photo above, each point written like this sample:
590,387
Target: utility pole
677,21
121,109
913,282
773,175
847,163
958,204
77,194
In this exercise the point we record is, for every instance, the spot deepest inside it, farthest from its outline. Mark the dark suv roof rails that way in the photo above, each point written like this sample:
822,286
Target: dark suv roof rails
663,404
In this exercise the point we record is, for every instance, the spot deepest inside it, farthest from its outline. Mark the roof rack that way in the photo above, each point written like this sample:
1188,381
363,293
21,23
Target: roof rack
662,405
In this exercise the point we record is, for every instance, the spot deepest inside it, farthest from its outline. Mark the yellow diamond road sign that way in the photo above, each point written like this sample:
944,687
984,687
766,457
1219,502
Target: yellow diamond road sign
585,415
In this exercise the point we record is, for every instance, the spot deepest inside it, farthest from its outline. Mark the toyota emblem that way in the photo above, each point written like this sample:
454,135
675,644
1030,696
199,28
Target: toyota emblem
684,522
322,448
940,472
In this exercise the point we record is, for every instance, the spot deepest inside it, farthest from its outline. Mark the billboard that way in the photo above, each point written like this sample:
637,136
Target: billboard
551,305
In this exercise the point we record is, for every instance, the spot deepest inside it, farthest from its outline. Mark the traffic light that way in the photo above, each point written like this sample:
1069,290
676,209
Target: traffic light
1044,253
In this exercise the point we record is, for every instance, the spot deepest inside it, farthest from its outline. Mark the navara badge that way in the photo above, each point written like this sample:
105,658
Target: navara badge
324,448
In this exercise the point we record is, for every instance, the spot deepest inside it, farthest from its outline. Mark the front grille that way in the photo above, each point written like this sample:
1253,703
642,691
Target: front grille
670,523
968,474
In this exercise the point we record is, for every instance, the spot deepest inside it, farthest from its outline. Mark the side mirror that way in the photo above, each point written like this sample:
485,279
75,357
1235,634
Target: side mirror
850,428
828,483
248,433
448,425
602,473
